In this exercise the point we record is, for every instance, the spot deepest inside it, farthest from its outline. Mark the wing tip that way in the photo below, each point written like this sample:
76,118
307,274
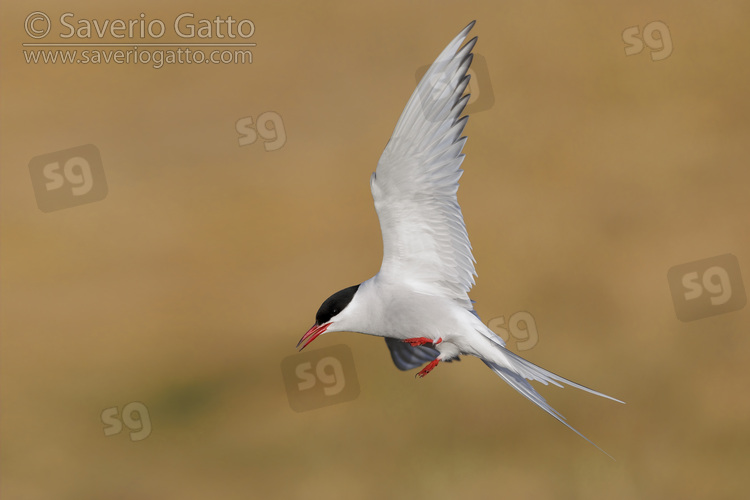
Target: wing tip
464,33
468,27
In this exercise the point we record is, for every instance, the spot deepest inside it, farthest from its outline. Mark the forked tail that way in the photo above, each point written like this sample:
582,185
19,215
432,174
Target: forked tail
522,371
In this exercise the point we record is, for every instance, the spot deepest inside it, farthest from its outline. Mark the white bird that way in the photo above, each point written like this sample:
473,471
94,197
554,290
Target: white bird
419,299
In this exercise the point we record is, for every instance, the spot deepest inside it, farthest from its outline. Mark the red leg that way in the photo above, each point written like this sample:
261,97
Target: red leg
427,369
417,341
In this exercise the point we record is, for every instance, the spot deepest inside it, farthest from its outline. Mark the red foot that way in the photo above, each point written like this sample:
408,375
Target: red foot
427,369
417,341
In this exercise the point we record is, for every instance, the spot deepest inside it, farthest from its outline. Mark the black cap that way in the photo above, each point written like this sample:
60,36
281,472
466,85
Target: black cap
335,304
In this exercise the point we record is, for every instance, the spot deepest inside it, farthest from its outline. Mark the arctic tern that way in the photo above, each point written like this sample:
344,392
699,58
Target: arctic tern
419,299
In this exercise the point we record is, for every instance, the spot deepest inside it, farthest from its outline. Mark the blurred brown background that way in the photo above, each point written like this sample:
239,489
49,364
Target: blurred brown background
591,175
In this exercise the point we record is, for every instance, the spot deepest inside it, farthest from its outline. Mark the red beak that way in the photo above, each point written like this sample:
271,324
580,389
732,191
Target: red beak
312,334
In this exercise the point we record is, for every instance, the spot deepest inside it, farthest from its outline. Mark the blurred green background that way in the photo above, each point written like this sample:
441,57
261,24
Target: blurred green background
589,177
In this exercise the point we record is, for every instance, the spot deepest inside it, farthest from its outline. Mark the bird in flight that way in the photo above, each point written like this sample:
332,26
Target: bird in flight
419,299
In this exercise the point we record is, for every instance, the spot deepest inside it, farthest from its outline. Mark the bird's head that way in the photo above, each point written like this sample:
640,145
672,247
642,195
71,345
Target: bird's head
330,317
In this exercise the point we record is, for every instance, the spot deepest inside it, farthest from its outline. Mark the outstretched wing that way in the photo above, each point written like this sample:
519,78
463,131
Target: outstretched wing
425,244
